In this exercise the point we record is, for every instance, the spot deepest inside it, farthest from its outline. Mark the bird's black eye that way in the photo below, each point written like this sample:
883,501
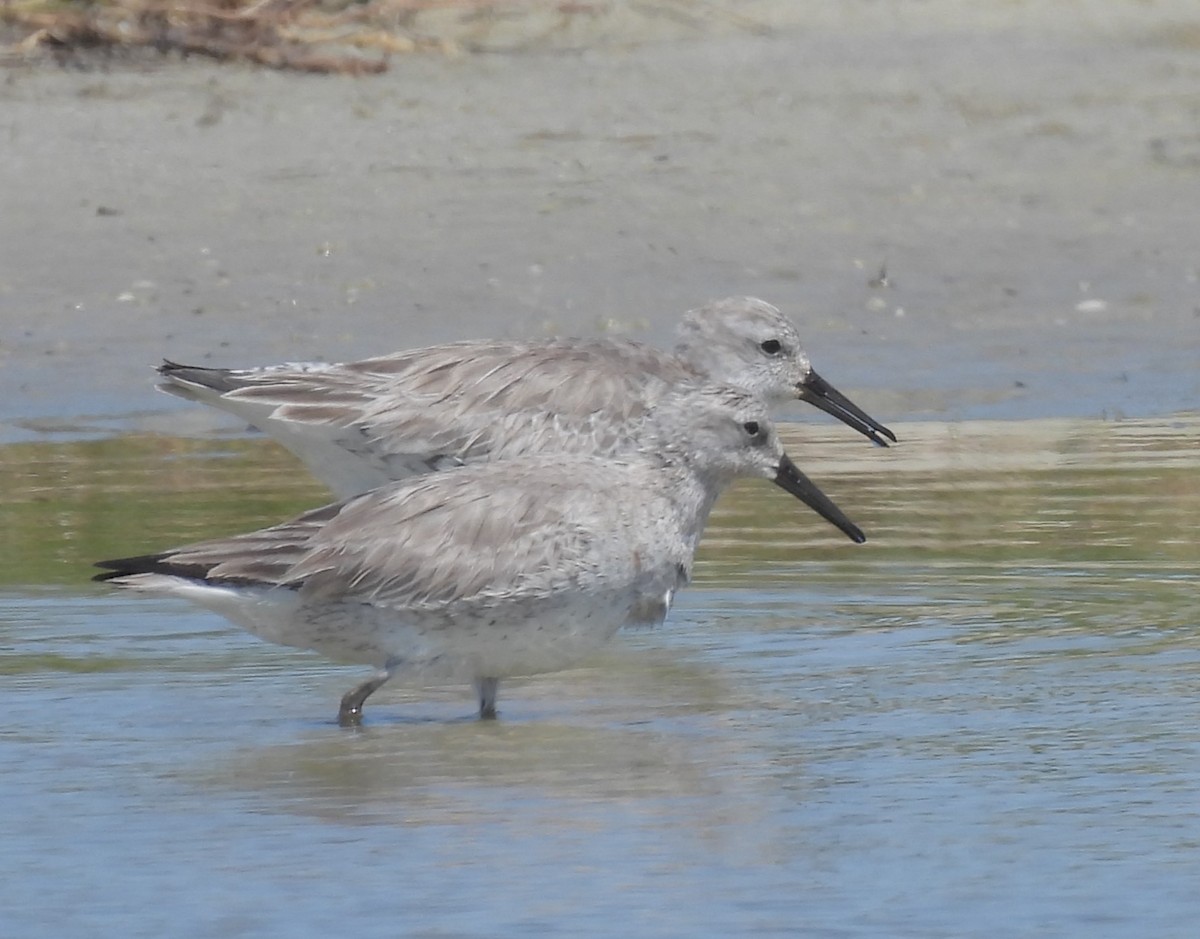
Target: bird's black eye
771,346
751,427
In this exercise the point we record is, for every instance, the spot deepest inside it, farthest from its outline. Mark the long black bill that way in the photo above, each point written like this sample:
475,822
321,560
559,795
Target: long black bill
790,479
819,393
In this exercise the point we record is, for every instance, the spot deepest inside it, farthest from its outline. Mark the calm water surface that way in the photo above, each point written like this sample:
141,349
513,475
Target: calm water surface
985,722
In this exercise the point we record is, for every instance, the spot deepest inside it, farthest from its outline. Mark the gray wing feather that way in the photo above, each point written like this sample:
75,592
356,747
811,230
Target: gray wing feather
440,542
568,376
412,412
456,538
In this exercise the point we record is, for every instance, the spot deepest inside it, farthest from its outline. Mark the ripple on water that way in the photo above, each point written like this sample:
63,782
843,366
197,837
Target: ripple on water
983,722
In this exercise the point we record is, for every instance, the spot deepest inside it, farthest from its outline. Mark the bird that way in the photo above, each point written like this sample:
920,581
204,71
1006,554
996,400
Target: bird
491,570
358,425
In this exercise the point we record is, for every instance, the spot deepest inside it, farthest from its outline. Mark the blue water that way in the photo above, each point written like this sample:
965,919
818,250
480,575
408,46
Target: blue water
969,727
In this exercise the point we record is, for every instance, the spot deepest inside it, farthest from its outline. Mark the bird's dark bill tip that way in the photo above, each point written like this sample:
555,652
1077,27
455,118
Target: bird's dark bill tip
822,395
789,478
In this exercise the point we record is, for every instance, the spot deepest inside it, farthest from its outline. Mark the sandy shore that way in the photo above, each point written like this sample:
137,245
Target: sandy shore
1029,175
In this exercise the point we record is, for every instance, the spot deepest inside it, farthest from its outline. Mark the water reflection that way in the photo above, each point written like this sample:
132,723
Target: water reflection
440,771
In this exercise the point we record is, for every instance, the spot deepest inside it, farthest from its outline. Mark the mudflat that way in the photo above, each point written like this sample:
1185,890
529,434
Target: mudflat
973,213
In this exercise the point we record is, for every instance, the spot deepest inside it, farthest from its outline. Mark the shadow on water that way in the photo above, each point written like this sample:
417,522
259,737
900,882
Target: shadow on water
993,699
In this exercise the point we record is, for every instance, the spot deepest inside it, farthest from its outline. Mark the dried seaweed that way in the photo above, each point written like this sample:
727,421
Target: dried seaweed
356,37
298,35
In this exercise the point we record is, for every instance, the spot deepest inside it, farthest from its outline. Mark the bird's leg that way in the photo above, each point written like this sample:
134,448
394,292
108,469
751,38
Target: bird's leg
350,713
487,687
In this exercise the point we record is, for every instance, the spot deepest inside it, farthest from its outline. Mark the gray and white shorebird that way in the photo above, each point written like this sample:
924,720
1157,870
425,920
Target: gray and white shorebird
496,569
358,425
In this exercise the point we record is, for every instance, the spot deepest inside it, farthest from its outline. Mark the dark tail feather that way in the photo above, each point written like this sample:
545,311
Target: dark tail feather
218,379
149,564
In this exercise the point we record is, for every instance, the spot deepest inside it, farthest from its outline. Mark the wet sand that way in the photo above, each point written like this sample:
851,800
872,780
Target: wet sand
1029,175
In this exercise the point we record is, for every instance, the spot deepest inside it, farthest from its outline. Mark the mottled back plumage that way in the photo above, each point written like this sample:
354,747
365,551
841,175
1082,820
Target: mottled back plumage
358,425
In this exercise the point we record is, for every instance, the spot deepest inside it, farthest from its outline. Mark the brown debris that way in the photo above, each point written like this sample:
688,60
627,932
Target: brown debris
298,35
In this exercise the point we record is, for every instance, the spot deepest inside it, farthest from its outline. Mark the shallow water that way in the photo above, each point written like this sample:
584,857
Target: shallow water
984,722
